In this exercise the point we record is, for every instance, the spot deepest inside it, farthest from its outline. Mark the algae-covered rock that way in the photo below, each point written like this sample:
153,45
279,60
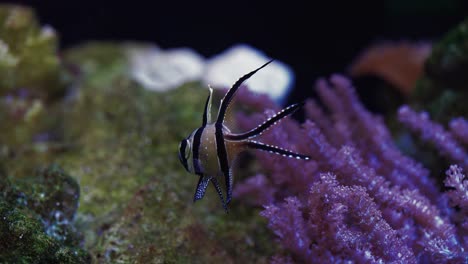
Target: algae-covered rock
136,197
37,219
29,126
120,141
32,75
443,90
28,54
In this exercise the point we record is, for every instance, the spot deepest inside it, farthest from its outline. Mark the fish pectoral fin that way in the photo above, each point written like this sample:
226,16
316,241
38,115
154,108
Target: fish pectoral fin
201,187
267,124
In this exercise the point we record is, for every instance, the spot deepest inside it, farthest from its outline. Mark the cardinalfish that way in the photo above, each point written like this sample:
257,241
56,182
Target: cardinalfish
210,150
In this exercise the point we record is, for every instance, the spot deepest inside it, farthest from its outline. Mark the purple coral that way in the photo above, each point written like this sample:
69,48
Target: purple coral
458,196
334,224
457,180
459,129
359,198
432,132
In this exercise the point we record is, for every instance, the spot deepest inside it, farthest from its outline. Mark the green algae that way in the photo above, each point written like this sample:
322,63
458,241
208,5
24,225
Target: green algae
28,54
37,219
33,81
443,90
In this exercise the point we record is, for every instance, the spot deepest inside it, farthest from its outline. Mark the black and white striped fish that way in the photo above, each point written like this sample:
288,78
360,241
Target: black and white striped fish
210,150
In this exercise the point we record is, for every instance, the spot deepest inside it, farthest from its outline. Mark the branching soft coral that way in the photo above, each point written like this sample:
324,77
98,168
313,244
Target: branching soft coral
459,129
336,223
433,132
360,198
458,196
457,180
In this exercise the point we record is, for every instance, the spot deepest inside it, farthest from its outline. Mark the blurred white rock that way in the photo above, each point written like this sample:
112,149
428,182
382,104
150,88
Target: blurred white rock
226,68
161,70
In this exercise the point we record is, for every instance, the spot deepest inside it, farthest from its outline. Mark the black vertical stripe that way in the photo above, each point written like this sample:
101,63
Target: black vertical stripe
196,150
183,146
222,156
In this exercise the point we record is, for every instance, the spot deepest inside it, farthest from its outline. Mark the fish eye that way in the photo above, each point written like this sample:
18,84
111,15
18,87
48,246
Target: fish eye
184,150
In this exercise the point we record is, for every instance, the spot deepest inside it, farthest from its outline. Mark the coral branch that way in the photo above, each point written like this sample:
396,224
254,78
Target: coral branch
432,132
459,129
457,180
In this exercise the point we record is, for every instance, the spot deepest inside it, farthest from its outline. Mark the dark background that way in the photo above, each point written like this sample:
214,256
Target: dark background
315,39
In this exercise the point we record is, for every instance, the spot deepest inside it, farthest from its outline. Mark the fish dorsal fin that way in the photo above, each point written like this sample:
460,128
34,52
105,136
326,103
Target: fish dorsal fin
207,113
230,94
